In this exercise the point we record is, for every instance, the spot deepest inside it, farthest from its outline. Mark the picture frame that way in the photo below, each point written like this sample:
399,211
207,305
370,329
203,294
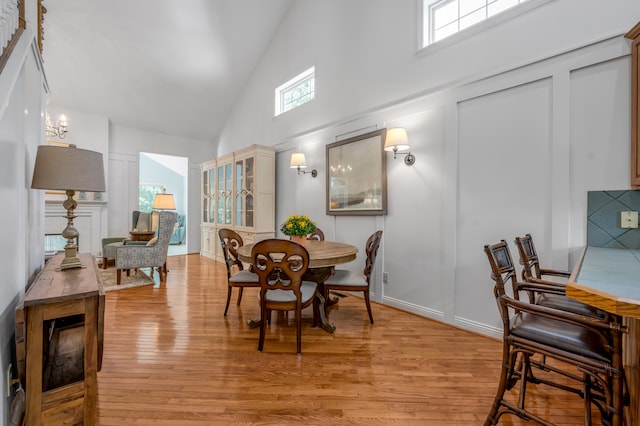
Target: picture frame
356,175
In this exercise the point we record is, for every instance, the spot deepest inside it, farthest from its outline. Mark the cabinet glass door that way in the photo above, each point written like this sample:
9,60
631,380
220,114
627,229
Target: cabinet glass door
220,193
249,184
228,175
238,190
205,195
211,199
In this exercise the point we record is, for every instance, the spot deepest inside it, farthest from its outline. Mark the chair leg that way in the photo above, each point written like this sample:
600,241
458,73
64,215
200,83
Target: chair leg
299,328
507,362
118,276
316,310
240,295
263,326
368,302
226,308
104,263
586,389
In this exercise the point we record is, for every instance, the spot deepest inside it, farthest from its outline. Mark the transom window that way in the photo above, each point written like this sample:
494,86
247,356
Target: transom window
295,92
442,18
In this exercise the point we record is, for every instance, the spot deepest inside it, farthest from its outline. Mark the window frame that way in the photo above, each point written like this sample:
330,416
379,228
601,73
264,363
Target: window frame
307,75
472,30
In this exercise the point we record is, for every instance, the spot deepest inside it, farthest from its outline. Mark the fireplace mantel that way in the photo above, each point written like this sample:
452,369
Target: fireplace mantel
90,222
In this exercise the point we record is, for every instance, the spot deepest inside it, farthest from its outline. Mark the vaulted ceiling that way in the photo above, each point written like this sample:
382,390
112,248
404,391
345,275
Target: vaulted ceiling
170,66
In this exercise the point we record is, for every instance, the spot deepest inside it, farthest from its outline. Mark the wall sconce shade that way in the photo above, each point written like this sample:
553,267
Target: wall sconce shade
396,140
299,162
164,201
68,169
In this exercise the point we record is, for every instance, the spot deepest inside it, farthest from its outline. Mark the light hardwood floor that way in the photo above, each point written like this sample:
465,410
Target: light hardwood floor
171,358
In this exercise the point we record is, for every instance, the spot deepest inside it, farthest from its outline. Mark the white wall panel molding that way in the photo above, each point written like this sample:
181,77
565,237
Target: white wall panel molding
413,308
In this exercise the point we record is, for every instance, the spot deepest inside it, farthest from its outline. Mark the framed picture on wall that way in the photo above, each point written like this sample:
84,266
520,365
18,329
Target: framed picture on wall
356,175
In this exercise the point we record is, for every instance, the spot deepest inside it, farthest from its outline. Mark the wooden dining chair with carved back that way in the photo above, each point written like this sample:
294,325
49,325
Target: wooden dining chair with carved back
280,266
316,235
237,276
345,280
593,349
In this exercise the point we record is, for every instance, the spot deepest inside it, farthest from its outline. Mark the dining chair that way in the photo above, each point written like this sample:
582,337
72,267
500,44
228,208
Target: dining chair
550,292
280,265
345,280
237,276
316,235
593,348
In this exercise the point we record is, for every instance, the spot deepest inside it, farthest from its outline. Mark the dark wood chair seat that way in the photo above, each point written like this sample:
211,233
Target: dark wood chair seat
570,338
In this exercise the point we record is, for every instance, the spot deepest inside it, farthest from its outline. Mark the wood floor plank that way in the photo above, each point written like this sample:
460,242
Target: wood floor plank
171,358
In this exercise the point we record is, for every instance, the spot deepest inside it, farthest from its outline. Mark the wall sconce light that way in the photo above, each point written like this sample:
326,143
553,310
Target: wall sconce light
59,130
298,162
68,169
396,140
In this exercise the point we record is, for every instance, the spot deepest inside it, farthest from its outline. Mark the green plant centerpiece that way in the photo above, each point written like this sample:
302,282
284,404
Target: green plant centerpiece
298,226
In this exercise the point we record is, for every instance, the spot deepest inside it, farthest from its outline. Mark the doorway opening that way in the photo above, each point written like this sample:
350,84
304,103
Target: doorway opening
170,172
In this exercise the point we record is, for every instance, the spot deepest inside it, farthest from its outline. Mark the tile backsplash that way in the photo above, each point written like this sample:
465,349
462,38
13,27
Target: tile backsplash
603,219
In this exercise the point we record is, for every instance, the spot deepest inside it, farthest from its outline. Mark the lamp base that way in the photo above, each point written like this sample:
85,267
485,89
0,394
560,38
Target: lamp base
70,260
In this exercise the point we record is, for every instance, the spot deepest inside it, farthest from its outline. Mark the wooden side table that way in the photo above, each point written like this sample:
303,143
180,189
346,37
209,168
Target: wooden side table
141,235
57,391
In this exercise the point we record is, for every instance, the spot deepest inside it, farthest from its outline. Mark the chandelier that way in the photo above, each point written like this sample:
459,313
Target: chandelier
59,130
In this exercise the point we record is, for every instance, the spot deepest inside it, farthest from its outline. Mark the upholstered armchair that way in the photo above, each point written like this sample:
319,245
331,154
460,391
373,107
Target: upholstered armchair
153,254
146,222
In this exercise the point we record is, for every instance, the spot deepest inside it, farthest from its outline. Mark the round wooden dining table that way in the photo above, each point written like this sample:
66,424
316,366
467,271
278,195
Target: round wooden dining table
323,256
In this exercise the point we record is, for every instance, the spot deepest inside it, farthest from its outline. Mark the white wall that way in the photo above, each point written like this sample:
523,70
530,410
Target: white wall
125,145
510,129
22,256
121,147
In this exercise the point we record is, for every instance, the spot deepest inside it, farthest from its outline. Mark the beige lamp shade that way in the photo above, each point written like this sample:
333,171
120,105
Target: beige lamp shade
396,139
164,201
68,168
298,161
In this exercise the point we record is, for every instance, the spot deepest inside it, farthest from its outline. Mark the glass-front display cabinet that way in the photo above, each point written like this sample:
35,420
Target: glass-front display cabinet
239,193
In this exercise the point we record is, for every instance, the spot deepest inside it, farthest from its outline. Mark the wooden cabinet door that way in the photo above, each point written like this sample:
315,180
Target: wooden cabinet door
634,35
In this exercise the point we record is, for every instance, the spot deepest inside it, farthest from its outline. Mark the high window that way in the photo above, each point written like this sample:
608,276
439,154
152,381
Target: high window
295,92
443,18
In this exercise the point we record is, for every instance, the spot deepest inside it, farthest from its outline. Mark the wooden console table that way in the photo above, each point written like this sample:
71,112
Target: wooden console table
609,279
59,332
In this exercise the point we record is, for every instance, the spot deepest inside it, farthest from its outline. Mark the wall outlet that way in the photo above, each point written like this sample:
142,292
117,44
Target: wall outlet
628,219
385,278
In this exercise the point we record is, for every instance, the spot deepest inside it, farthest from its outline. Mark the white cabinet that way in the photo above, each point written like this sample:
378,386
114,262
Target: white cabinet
238,192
